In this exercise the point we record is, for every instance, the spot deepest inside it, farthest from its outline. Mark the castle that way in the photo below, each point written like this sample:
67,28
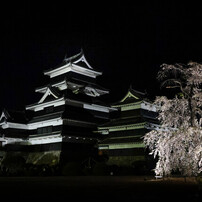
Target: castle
70,123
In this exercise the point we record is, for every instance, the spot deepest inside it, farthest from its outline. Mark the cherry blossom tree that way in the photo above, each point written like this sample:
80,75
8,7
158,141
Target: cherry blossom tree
177,144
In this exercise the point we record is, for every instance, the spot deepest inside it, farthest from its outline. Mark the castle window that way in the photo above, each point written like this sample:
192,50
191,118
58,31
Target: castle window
49,109
44,130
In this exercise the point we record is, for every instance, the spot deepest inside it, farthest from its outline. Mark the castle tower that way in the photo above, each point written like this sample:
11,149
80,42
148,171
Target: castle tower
122,136
67,113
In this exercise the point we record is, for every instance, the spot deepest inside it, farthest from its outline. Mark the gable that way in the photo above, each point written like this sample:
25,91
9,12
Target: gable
133,97
129,96
49,95
76,63
4,116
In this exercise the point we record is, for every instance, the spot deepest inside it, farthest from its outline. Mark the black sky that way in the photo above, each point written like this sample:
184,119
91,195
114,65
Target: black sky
127,41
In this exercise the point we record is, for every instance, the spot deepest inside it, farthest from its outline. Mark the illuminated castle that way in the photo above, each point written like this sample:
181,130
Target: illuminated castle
69,122
65,116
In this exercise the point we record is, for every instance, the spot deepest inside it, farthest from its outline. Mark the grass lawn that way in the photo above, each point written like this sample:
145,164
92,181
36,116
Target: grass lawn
100,188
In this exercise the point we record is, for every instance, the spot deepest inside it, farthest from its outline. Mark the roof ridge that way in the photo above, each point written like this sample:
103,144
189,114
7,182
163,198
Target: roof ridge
131,89
73,57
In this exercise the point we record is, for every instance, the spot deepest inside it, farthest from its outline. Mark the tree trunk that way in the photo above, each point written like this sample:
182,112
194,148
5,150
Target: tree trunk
191,107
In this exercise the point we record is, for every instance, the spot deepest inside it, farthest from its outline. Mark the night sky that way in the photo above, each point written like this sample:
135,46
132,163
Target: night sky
127,41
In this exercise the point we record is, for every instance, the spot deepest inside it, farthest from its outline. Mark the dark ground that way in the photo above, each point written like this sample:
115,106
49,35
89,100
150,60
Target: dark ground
99,188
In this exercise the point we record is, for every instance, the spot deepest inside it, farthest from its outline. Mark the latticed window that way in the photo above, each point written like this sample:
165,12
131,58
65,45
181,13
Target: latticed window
43,130
49,109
